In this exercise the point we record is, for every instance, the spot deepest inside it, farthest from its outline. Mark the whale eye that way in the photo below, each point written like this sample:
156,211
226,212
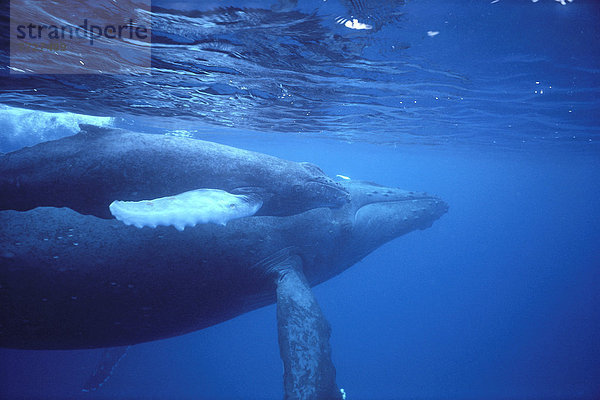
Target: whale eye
297,188
231,205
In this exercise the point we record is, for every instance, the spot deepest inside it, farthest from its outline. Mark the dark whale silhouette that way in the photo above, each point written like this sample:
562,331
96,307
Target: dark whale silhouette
73,281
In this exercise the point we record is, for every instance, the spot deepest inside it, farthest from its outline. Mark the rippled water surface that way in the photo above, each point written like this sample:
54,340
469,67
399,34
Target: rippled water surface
496,73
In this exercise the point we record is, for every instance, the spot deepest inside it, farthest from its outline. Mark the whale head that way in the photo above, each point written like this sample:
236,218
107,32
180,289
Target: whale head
305,187
320,190
379,214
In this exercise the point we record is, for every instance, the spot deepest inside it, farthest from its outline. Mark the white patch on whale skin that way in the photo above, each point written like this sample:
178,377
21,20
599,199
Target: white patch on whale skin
199,206
344,177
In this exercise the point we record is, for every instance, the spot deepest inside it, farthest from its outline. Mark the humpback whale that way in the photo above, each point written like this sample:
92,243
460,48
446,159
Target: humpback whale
74,281
88,171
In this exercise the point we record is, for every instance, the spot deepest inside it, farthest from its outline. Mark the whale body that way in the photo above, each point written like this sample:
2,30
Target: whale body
88,171
71,279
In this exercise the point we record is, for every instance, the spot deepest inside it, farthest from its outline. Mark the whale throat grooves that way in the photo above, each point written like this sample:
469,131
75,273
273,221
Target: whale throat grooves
199,206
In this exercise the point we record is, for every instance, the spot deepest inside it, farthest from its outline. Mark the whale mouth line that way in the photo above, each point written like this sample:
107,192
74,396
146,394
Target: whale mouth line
383,201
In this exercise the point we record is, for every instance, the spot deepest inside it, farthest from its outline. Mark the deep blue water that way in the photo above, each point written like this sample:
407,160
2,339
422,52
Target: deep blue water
498,299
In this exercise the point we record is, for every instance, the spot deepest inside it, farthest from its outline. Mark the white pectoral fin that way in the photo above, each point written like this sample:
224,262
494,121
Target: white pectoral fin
186,209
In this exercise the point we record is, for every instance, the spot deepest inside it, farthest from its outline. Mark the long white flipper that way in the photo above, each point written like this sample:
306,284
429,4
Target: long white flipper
186,209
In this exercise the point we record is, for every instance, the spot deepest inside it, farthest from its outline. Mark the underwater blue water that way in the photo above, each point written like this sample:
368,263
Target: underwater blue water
498,114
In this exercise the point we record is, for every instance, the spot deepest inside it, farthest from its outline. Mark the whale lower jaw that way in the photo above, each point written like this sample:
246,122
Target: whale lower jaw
429,204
